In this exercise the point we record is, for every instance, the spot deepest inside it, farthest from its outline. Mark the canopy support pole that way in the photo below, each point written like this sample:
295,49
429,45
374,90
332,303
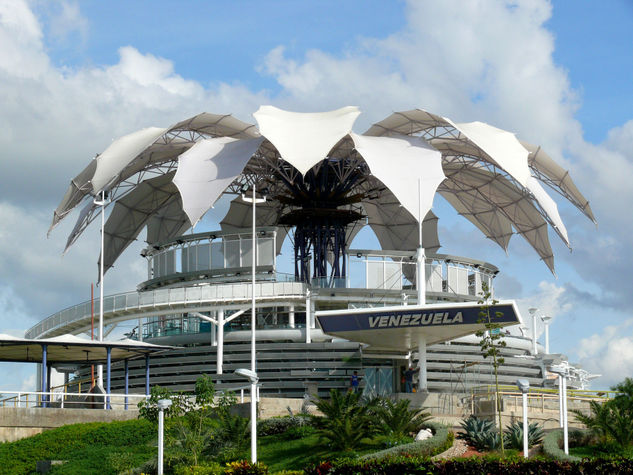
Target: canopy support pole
127,381
420,257
108,374
220,352
291,316
422,383
308,317
147,375
44,373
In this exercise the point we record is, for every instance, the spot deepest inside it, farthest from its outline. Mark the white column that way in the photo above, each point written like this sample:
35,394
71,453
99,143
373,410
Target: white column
291,316
420,257
308,317
220,351
525,426
214,337
161,416
101,272
140,329
422,385
546,321
534,346
565,436
560,400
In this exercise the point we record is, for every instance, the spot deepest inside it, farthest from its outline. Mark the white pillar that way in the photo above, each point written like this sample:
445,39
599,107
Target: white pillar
421,277
161,416
101,272
534,346
220,351
291,316
214,337
546,321
525,426
308,317
422,384
140,329
565,436
560,400
420,257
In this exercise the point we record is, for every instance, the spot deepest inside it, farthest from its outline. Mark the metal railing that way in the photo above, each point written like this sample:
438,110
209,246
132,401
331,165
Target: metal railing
68,400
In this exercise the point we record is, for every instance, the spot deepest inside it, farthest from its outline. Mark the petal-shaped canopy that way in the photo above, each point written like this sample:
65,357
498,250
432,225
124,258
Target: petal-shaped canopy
414,189
132,212
303,140
208,168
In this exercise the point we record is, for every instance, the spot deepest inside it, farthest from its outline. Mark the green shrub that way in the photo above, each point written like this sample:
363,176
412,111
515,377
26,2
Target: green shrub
208,468
279,425
551,447
514,435
480,433
244,467
442,440
468,466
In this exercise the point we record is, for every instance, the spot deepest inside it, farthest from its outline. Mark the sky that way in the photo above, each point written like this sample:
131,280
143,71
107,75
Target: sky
76,75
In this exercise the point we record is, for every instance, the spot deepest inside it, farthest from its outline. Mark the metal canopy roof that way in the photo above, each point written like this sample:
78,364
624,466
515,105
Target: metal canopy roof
72,349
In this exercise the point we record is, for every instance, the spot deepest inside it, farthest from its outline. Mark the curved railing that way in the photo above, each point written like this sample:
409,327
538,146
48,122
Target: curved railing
381,272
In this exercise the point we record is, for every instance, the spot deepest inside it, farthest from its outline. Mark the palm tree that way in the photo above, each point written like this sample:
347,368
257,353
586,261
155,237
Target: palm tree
346,420
398,420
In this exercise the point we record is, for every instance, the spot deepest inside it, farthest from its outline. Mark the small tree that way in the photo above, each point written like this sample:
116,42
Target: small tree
491,342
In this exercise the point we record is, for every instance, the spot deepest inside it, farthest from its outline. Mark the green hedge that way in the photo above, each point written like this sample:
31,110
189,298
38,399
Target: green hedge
469,466
442,440
551,447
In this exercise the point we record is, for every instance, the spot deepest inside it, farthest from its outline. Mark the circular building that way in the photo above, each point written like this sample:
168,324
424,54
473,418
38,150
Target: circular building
309,180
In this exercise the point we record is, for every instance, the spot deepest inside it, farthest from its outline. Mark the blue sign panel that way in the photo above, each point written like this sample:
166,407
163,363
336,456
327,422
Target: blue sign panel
412,317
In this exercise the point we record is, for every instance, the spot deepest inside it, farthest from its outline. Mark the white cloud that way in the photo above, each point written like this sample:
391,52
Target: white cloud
609,353
66,20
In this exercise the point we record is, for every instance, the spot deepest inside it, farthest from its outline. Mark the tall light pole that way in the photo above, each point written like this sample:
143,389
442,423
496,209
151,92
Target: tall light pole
162,405
253,200
533,311
562,370
546,320
524,387
102,202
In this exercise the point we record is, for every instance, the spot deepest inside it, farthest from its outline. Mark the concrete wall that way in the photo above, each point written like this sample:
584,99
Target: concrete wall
17,423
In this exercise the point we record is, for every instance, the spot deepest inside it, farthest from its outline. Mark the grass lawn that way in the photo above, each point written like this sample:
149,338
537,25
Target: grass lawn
281,453
600,451
94,447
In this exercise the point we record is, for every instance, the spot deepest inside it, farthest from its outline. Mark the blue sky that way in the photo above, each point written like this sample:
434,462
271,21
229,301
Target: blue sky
75,75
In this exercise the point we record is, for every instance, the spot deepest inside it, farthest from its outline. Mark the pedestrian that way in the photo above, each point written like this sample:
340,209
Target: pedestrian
353,382
408,380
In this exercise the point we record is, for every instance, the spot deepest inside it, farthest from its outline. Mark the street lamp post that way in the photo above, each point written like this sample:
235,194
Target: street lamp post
252,377
524,387
162,405
533,311
562,370
254,201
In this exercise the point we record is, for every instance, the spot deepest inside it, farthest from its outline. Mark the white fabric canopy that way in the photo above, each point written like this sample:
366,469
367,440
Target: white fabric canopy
132,212
403,164
304,139
485,173
119,154
208,168
501,146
